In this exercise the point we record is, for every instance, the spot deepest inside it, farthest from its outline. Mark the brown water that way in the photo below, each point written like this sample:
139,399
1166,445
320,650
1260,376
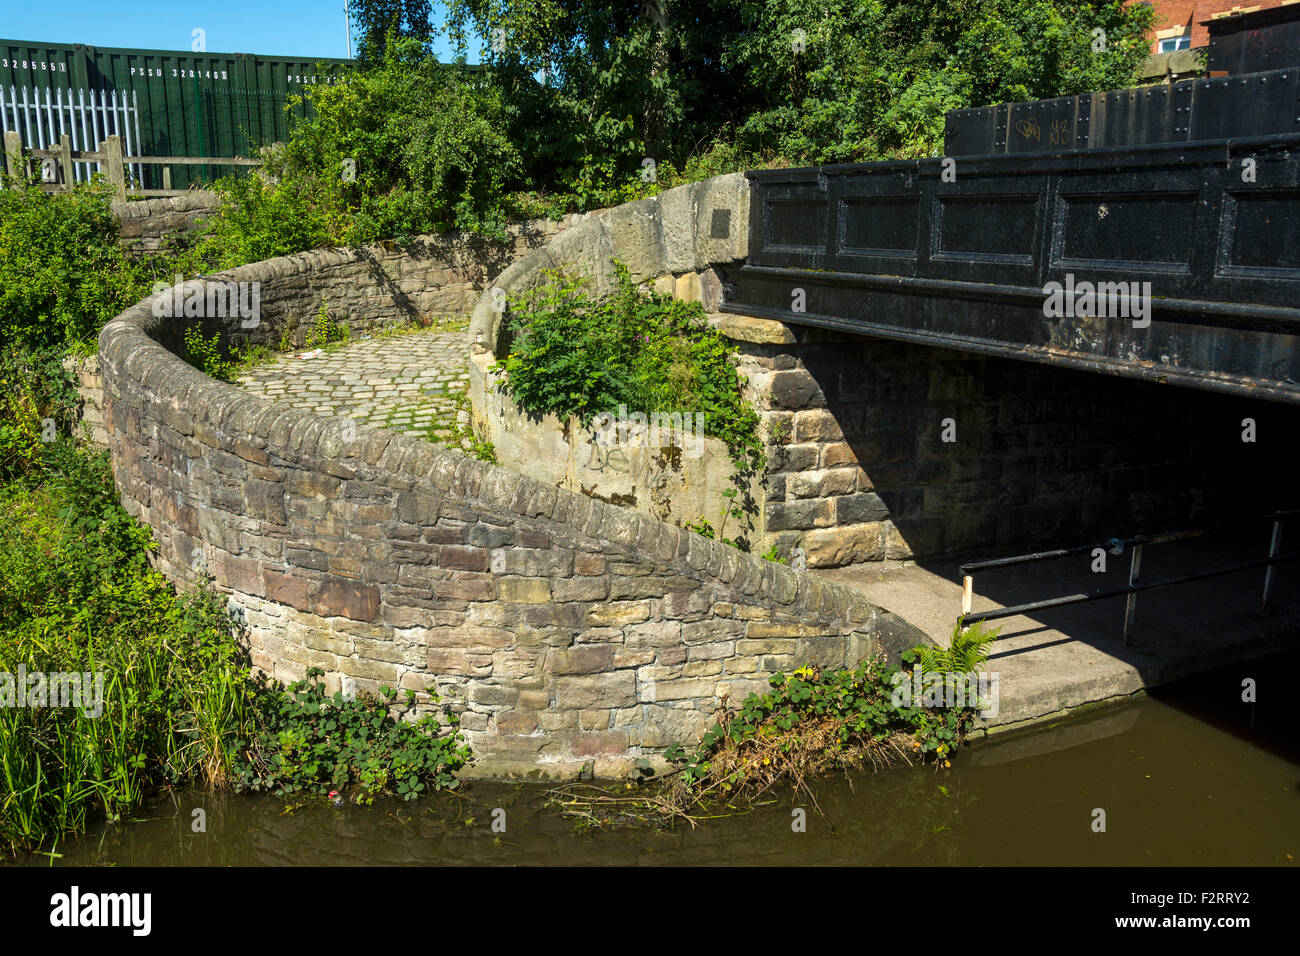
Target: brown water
1189,775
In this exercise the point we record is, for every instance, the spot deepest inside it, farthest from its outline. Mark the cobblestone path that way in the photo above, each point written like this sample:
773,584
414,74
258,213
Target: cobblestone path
412,382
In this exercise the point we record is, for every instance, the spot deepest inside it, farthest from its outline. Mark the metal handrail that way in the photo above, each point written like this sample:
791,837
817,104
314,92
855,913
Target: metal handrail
1135,586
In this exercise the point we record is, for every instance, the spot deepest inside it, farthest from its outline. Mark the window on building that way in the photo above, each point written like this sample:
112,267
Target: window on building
1175,43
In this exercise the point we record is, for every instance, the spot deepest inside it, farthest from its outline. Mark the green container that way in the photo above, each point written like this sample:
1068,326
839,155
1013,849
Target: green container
189,104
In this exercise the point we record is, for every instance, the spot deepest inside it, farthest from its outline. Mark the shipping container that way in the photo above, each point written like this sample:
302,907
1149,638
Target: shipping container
189,104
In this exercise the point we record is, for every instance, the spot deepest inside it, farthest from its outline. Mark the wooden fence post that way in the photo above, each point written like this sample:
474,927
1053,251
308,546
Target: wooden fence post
112,149
13,153
65,147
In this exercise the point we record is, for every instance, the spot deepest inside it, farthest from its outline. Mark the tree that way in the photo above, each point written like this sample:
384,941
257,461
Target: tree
377,22
812,80
872,79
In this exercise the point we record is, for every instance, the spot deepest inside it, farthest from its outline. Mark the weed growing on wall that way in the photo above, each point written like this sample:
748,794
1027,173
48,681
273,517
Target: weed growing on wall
325,331
206,355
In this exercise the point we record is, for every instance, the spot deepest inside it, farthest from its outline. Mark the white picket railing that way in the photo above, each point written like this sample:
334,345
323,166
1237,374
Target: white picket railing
89,118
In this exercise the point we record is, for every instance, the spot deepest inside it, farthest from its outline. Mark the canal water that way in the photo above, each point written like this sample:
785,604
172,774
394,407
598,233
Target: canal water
1187,775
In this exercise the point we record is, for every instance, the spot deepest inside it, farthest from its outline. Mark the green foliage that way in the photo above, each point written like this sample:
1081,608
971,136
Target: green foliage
258,221
378,23
812,721
576,356
206,355
701,527
78,595
36,395
875,78
325,331
631,80
605,94
968,650
311,742
482,449
62,271
430,151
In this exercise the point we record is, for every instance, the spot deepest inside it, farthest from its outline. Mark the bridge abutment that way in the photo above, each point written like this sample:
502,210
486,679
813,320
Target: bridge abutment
891,450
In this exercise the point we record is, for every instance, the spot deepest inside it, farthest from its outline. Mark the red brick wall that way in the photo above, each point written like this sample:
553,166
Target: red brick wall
1171,13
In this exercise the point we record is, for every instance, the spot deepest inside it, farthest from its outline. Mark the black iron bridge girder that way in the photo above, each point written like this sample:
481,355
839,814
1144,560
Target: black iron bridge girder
958,253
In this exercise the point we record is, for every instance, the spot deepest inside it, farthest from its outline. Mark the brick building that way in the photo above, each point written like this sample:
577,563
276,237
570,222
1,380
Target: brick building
1180,24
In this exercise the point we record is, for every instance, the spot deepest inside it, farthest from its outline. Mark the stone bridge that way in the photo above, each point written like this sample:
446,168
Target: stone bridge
560,628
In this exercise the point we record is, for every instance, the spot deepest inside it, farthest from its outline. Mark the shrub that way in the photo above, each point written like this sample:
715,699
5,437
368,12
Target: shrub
63,273
573,355
311,743
430,153
812,722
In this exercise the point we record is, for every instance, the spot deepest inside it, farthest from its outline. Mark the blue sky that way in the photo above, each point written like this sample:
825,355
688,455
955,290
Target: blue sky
297,28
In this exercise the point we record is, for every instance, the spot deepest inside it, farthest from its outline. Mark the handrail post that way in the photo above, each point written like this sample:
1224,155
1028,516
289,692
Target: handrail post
967,593
1134,569
1274,547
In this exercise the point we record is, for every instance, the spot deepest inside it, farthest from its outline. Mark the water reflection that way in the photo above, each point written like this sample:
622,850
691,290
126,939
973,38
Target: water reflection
1177,788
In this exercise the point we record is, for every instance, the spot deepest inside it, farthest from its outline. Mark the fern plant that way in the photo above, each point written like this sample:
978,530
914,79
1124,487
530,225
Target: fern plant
968,650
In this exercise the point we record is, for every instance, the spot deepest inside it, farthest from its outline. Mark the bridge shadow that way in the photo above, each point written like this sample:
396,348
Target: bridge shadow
1061,657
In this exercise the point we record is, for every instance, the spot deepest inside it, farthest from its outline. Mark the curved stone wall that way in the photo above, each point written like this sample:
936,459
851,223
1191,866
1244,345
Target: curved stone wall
561,628
672,473
146,224
684,233
680,240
